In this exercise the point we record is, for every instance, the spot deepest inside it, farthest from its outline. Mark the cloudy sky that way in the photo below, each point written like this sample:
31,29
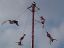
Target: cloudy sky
53,12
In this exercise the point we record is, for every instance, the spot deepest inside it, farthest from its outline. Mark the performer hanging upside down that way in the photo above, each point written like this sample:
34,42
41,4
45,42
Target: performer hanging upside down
50,37
12,22
22,37
19,43
42,20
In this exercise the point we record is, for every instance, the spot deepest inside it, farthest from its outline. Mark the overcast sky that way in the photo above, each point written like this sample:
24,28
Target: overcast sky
53,12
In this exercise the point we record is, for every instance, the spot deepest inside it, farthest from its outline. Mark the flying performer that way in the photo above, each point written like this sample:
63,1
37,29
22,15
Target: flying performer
22,37
12,22
42,20
50,37
19,43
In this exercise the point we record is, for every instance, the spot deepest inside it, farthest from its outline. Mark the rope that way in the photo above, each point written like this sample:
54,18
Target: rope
45,30
22,14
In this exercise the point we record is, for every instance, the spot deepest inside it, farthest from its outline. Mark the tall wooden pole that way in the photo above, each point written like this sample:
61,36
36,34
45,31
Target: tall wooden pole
33,12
